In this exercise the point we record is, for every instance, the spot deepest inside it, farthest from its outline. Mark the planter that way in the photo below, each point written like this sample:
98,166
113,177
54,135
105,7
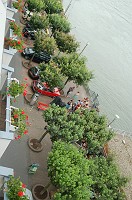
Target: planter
17,81
12,126
38,193
34,145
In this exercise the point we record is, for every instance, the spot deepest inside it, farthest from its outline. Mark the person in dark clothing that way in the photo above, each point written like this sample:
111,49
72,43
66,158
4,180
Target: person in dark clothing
70,90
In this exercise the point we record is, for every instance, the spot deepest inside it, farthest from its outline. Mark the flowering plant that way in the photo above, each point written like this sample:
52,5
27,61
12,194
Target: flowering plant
16,29
16,189
15,88
20,120
15,44
18,5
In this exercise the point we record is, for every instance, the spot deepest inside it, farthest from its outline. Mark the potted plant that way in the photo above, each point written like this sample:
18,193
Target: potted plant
16,189
18,5
14,43
16,29
53,6
15,88
19,122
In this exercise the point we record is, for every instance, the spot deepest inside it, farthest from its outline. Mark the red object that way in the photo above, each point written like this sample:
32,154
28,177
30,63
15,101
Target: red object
25,93
16,116
26,117
18,42
23,185
23,112
43,89
42,106
20,194
25,132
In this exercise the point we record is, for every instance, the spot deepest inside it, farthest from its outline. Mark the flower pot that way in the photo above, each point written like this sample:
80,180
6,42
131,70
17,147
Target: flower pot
17,81
12,126
38,193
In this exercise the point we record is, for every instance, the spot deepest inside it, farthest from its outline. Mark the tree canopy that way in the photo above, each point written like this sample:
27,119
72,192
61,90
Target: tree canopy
35,5
39,22
59,23
107,180
53,6
66,42
62,126
69,171
44,42
74,67
51,74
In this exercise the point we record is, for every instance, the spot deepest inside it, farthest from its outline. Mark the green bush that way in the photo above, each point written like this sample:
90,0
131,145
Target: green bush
53,6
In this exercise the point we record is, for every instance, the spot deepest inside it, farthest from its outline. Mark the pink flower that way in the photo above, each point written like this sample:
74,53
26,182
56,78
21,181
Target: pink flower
25,79
26,117
19,136
25,93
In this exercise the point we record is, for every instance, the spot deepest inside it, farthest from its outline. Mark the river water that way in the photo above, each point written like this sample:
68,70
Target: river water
107,27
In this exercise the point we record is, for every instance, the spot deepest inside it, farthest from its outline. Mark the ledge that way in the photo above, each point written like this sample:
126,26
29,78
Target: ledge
6,135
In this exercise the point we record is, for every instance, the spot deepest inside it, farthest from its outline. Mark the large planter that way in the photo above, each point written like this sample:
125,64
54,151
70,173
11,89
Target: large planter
12,126
37,192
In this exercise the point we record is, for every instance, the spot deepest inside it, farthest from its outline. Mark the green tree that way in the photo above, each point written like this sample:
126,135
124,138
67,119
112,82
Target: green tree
59,23
39,22
35,5
66,42
69,172
61,125
53,6
51,74
96,131
107,180
74,68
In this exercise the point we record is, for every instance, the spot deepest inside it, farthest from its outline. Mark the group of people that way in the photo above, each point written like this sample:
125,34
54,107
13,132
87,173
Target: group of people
75,103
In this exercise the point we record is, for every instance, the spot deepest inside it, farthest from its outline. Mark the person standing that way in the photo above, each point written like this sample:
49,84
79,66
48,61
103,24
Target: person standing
70,90
75,97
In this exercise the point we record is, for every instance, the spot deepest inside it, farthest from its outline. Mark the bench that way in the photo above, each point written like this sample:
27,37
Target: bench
42,106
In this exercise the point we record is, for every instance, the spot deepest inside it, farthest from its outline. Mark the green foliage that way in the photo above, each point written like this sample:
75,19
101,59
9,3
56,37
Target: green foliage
53,6
15,88
96,131
62,126
44,43
16,189
66,42
107,180
69,171
39,22
51,75
59,23
74,67
35,5
16,29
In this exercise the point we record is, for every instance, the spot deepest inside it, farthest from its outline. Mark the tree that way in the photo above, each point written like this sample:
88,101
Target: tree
74,67
53,6
66,42
69,172
64,126
50,74
59,23
96,131
39,22
107,180
36,5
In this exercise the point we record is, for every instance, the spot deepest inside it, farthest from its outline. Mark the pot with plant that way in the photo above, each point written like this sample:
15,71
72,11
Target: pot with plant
15,28
19,122
14,44
15,189
15,88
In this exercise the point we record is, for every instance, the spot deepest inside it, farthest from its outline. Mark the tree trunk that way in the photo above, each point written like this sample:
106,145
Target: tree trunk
42,137
31,59
66,81
45,188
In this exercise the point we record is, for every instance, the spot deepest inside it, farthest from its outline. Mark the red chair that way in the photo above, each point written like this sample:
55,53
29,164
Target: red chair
42,106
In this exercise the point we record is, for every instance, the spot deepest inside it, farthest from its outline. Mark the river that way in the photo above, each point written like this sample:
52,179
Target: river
107,27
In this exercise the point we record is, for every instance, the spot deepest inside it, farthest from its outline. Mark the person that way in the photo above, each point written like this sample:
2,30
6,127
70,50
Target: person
69,104
70,90
75,97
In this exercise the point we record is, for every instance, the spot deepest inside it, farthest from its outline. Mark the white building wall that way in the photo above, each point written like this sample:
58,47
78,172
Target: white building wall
3,145
2,32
